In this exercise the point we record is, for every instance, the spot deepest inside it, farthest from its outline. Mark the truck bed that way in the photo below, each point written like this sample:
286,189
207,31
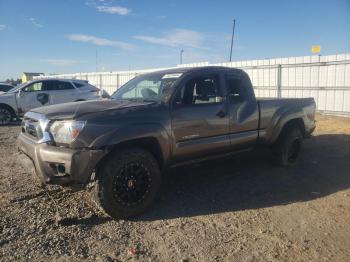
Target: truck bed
273,110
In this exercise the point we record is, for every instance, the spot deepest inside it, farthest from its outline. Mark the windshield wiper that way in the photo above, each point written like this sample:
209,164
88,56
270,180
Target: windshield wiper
137,100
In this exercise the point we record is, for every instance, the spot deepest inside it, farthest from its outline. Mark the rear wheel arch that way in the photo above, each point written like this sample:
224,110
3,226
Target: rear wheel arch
295,122
283,125
286,148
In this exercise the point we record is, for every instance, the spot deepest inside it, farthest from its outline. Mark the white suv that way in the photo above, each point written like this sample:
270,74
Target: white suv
4,87
44,92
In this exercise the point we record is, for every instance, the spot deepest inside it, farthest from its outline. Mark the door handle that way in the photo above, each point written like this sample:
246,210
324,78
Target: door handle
221,114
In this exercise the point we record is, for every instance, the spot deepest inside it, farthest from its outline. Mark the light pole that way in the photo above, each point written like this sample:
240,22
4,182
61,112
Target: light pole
181,52
96,60
233,34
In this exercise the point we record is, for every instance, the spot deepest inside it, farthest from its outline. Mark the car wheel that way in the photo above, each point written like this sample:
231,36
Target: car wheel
5,116
128,183
287,149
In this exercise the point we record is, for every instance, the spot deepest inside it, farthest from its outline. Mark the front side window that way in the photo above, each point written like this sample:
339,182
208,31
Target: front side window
147,87
200,90
37,86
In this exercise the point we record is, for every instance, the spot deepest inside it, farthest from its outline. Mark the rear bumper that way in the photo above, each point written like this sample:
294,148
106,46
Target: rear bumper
57,165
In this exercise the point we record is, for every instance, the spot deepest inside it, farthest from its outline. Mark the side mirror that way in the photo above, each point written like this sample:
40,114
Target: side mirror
20,93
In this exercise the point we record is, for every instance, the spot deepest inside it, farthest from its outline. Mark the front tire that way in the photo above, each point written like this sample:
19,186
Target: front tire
287,148
5,116
128,183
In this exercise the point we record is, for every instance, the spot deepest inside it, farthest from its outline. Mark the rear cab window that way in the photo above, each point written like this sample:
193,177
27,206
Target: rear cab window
234,88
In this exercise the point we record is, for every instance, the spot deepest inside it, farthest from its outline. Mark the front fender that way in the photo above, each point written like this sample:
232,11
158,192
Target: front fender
9,100
136,131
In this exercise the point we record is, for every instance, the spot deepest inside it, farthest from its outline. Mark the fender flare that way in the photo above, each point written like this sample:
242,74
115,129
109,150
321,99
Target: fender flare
129,133
280,119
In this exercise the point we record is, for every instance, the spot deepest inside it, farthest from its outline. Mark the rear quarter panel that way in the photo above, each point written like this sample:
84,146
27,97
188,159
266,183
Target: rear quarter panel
87,92
275,113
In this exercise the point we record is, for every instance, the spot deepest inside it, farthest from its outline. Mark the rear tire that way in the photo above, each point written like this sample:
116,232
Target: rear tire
128,183
6,116
286,150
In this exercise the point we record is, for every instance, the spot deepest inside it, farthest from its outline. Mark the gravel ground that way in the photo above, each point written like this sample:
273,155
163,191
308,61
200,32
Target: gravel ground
240,208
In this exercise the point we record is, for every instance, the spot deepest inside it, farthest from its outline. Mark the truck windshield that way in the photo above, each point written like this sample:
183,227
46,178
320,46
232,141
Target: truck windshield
151,87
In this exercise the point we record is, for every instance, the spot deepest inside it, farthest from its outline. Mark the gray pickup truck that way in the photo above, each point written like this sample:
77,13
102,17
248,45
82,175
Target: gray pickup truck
156,121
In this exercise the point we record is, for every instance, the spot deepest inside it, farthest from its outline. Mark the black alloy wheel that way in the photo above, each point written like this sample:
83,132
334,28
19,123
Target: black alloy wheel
132,184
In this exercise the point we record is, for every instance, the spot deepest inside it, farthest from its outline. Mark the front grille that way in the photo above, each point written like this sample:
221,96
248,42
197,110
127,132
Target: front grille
34,126
31,127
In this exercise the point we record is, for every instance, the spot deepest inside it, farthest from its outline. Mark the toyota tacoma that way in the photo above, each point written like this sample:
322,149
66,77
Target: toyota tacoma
124,145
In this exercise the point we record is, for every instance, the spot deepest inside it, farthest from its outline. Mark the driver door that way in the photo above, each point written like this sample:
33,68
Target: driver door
200,122
32,96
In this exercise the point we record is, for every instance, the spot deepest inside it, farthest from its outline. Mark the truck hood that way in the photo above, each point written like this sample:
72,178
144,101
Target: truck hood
76,109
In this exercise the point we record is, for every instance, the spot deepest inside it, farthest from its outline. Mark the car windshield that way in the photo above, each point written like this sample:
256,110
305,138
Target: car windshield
16,88
152,87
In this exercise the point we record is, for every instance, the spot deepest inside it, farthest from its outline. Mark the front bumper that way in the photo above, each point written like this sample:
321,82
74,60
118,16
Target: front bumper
58,165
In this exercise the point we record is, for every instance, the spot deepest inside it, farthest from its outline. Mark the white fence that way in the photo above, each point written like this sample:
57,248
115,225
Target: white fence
325,78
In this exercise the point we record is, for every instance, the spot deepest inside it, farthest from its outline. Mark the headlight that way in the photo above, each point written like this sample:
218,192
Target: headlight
66,132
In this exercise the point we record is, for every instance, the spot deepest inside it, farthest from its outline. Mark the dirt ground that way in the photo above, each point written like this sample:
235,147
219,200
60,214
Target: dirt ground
234,209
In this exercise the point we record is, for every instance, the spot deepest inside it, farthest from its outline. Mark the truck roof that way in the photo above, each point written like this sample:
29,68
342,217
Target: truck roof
59,79
194,69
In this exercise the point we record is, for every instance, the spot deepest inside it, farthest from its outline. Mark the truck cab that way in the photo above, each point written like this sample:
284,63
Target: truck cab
213,111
